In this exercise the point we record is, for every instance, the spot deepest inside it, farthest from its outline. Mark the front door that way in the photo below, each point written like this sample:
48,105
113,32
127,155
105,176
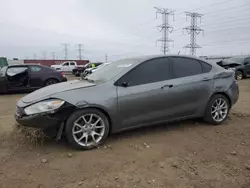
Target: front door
143,93
65,67
35,75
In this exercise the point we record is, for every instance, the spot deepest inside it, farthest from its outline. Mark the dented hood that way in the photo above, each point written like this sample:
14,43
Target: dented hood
46,92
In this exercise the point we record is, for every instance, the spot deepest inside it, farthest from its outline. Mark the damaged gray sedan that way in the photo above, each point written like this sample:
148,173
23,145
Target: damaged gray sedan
130,93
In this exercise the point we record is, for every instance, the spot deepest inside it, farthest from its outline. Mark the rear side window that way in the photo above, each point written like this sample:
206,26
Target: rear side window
205,67
151,71
183,67
35,68
72,63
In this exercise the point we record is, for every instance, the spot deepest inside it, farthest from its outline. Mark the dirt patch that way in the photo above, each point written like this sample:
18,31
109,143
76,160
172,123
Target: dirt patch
183,154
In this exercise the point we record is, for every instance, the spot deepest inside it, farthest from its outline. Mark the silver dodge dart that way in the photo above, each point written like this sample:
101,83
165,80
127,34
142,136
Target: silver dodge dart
130,93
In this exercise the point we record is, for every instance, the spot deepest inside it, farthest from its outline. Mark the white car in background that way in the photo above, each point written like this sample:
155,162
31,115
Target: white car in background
66,66
92,70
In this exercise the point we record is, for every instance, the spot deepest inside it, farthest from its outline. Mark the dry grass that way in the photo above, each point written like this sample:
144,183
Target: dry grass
28,135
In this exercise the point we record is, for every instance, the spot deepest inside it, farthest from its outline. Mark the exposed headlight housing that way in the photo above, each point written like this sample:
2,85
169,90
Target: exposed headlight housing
44,106
231,69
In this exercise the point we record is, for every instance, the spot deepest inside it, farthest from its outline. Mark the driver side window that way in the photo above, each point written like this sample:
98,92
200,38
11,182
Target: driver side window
151,71
66,64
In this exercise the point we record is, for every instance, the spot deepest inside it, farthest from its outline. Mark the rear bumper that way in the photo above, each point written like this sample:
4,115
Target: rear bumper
234,93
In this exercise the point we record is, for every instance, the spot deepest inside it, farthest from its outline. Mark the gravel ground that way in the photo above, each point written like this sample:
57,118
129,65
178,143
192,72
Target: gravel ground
183,154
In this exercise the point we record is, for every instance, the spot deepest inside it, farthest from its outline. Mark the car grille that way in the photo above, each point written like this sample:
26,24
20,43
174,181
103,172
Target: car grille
19,111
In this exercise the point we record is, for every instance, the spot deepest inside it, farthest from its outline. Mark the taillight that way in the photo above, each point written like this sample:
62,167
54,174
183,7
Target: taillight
62,73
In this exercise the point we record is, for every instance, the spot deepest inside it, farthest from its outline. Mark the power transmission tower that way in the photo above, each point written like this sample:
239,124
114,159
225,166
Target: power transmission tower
165,28
106,58
53,55
193,30
65,50
80,50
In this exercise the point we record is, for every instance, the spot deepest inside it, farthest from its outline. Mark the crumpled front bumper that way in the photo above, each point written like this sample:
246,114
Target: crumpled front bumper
45,121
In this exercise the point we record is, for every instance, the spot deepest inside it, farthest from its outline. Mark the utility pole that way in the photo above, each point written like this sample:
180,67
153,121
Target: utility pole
80,50
106,58
65,50
44,54
193,30
165,28
53,55
34,56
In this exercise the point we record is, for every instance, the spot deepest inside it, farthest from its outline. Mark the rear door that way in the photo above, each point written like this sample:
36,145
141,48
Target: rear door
36,74
143,93
192,87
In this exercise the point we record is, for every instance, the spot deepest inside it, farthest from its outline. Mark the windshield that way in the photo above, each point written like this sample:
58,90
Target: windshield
3,71
109,71
239,60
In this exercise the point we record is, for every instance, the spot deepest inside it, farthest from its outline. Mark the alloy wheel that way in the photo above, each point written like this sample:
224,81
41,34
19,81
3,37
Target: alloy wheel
88,130
219,110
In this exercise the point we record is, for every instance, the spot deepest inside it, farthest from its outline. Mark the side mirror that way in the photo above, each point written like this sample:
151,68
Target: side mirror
124,84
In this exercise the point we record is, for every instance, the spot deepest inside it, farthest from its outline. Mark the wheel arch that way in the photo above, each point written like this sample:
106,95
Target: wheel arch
225,95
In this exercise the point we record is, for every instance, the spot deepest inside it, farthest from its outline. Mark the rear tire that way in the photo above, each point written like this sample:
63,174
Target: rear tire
238,75
217,110
87,129
50,82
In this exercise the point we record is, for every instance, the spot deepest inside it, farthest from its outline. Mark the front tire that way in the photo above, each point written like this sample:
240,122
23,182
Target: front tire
238,75
87,129
217,110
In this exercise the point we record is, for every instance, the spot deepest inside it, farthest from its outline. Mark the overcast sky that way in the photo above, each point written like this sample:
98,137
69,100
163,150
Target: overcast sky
118,28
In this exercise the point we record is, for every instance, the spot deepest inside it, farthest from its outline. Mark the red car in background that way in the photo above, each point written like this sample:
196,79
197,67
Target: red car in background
28,77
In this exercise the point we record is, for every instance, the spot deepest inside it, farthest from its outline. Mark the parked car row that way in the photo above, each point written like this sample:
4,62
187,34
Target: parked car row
28,77
240,65
77,71
130,93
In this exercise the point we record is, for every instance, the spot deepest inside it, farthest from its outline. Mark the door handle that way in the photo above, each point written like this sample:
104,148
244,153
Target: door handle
206,79
169,86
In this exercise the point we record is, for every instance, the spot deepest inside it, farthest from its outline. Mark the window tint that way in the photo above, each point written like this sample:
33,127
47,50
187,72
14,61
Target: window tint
35,68
183,67
72,63
148,72
206,67
66,64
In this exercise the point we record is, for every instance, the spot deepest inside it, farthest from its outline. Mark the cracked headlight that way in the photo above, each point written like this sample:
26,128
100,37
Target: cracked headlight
44,106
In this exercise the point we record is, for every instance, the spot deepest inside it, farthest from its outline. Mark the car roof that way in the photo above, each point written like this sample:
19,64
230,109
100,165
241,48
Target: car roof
25,65
141,59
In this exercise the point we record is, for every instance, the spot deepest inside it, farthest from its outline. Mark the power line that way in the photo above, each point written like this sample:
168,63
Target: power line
80,50
53,55
210,5
44,54
65,50
165,28
193,30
